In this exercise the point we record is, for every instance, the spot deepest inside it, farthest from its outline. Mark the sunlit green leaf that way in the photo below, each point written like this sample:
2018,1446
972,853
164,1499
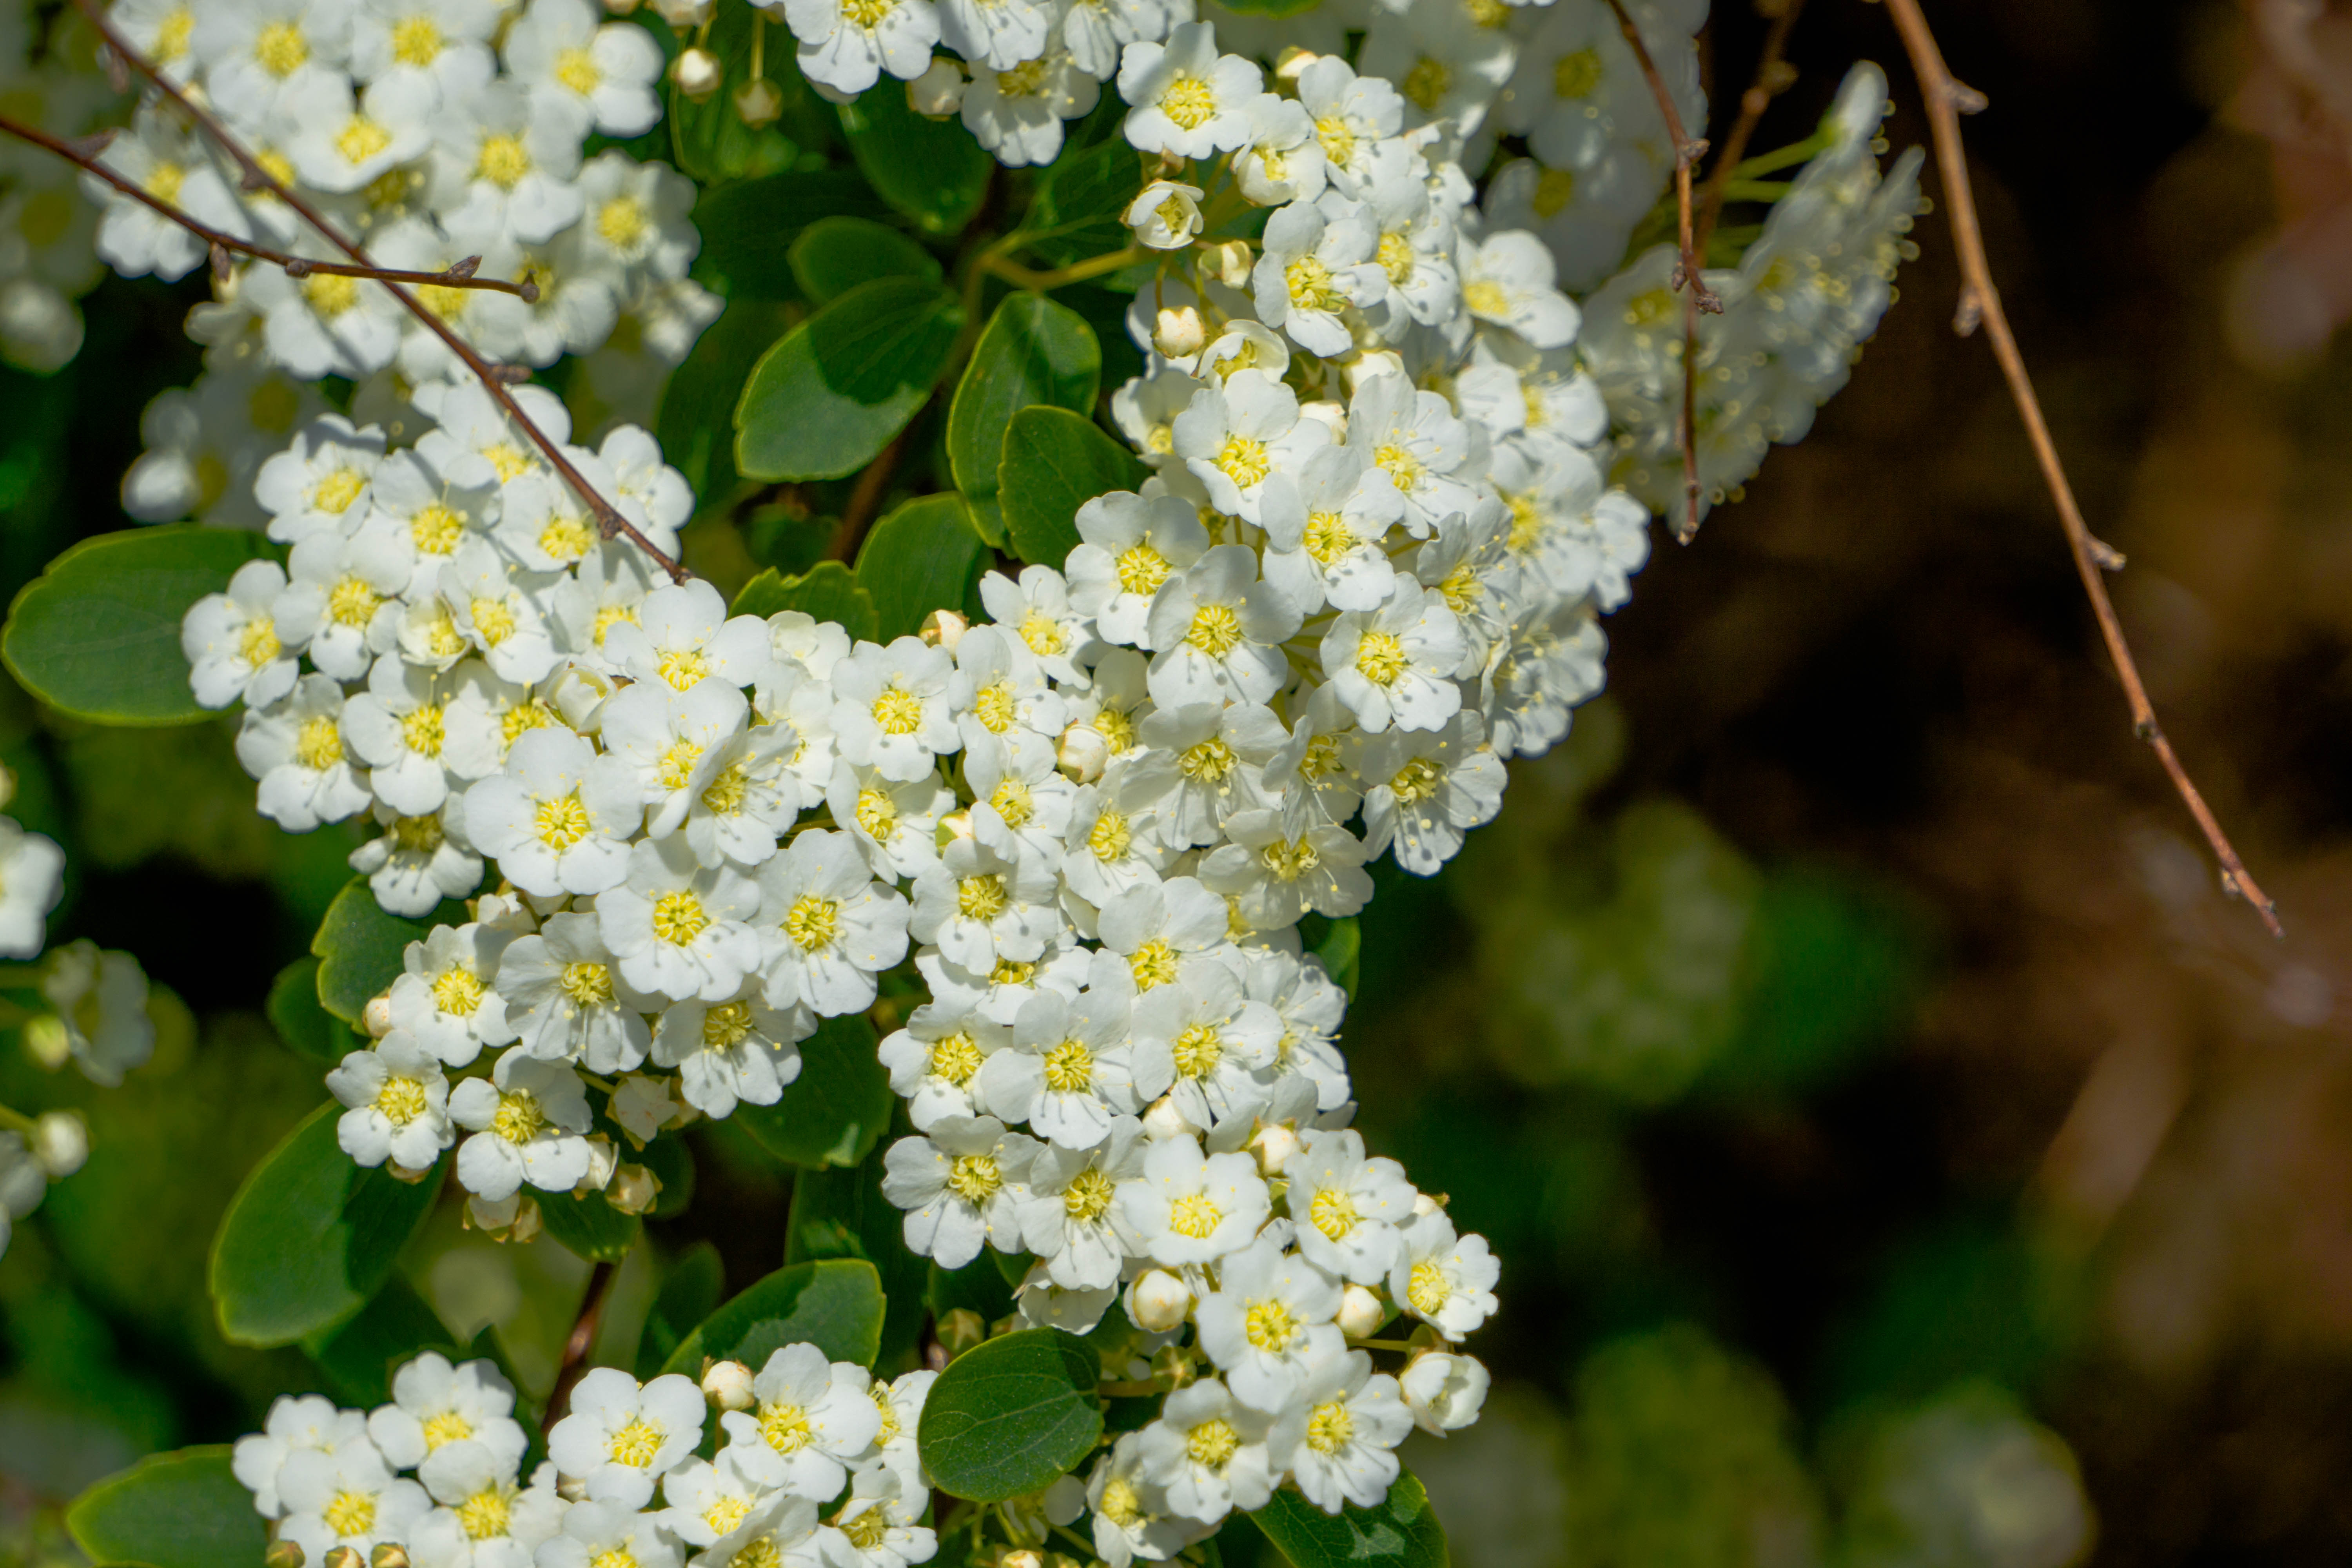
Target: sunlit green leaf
834,391
920,558
1012,1415
1054,462
183,1510
1033,351
1401,1533
832,1112
827,591
835,1306
835,254
931,171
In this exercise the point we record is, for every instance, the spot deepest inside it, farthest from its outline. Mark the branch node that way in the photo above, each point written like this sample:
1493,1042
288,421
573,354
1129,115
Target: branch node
2106,556
528,293
118,73
1964,98
1969,313
509,374
297,267
2147,730
223,267
459,271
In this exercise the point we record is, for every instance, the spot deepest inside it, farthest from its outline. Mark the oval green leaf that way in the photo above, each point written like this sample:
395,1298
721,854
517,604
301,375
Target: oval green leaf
689,1291
310,1238
299,1018
834,391
920,558
359,1357
1034,351
183,1510
1401,1533
834,1111
709,138
1054,462
587,1226
929,170
835,1305
1012,1415
835,254
826,592
359,946
746,228
98,634
1082,199
699,400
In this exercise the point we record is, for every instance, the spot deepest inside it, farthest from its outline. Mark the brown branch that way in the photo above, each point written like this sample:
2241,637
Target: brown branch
574,1366
1688,278
1774,76
1947,100
610,524
866,497
83,155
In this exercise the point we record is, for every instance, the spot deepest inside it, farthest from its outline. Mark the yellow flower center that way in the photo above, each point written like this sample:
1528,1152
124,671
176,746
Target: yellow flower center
1213,1443
996,707
485,1515
1195,1215
725,1026
352,602
612,616
975,1178
1026,79
1070,1068
349,1513
319,745
877,814
1216,630
725,1514
636,1444
786,1426
1487,298
1243,459
1427,1288
1011,971
1088,1196
504,161
447,1427
531,715
1189,101
1576,75
1380,658
1329,1428
163,181
1289,862
576,68
415,40
456,991
424,729
435,527
517,1118
282,50
981,898
400,1101
1338,142
1417,780
955,1058
506,460
812,922
1426,83
330,293
587,983
1153,964
1109,838
1461,589
1141,569
757,1553
1198,1050
899,711
613,1557
1116,728
1270,1325
621,223
416,834
868,1529
679,918
723,795
1014,801
257,644
171,36
1329,538
1311,285
1333,1213
868,14
562,822
675,765
1043,634
1209,762
1395,257
566,538
682,667
1120,1504
362,139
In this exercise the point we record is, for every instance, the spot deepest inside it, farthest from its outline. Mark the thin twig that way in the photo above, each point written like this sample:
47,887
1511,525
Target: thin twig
1947,100
575,1364
610,524
1688,278
866,496
84,157
1774,76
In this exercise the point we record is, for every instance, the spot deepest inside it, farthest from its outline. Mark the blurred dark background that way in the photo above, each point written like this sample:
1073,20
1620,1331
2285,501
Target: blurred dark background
1899,1151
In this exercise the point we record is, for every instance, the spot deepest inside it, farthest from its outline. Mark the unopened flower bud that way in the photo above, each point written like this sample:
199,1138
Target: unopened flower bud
48,1042
1443,1390
759,103
1024,1558
684,14
1178,333
1426,1205
409,1175
61,1142
939,91
376,1016
1158,1301
1232,261
633,1189
1292,63
1083,753
282,1555
344,1557
1165,214
1332,417
953,827
572,1488
579,697
961,1329
1372,362
944,629
388,1554
697,73
512,1218
728,1385
1162,1120
620,7
1274,1144
602,1163
1361,1313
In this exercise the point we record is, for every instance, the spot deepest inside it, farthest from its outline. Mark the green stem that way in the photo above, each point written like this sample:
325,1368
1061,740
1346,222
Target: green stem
1781,157
17,1120
1380,1345
1086,1547
1756,190
993,260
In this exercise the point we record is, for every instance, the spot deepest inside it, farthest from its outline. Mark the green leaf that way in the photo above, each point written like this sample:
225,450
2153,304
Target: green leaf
843,1214
183,1510
589,1227
834,391
689,1291
835,254
710,137
838,1106
979,1288
699,400
835,1306
1010,1416
98,634
305,1025
1080,203
1054,462
827,591
360,1356
310,1238
919,558
1034,351
747,229
1342,953
359,947
931,171
1401,1533
987,519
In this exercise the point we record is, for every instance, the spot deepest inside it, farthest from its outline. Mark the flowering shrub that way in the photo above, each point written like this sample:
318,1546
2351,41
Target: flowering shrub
1005,861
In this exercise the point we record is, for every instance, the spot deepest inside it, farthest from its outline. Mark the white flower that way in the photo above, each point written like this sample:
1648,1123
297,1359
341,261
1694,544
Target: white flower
679,930
444,41
1199,1031
235,645
101,998
848,47
1444,1390
320,482
1275,875
1153,928
1022,803
1068,1071
565,1001
347,1497
672,742
734,1050
1130,547
489,606
709,1501
1166,215
162,159
935,1060
1348,1207
296,750
419,860
1310,1006
423,516
506,166
1200,766
1327,528
1508,279
1310,271
1267,1321
995,34
812,1419
607,588
397,726
445,999
296,1422
827,927
1427,789
1132,1518
1017,114
347,592
619,1438
891,711
435,1404
1216,632
1352,114
528,1118
1285,160
901,1405
1071,1219
606,1529
748,798
399,1104
896,824
1447,1283
879,1520
605,76
999,689
1335,1437
1187,1208
484,1520
779,1523
1188,100
1395,665
962,1183
1233,436
1208,1452
559,817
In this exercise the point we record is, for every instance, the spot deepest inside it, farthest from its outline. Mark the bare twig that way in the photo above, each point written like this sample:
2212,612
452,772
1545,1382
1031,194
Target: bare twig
575,1364
866,497
1688,280
84,156
1774,76
610,524
1947,100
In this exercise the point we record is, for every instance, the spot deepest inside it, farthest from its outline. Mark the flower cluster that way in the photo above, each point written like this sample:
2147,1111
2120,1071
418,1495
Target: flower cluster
46,258
430,132
437,1471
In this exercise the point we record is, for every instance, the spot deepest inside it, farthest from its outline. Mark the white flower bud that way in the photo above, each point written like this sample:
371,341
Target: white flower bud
602,1163
684,14
944,629
1444,1390
953,827
1292,63
344,1557
579,696
1158,1301
1331,415
728,1385
388,1554
571,1489
1232,262
1361,1313
47,1041
1083,753
376,1016
61,1142
633,1189
1024,1558
1423,1205
1162,1120
1274,1144
939,91
1178,333
1166,215
759,103
697,73
1372,362
282,1555
512,1218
